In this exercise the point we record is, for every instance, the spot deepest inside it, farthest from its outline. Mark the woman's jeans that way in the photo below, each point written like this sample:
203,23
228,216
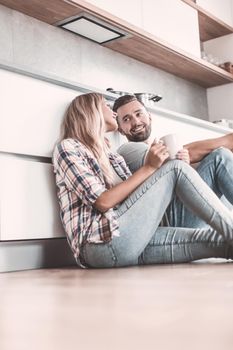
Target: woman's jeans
141,241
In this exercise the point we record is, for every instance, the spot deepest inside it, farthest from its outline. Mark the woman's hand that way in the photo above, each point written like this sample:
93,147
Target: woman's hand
183,154
156,155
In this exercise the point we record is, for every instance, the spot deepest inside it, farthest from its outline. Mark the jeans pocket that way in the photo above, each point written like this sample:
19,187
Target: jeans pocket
99,255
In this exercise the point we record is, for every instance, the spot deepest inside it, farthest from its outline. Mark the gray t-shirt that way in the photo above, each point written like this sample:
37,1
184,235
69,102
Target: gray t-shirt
134,154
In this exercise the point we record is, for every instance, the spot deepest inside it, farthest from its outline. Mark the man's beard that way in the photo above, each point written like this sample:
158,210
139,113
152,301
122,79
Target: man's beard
140,137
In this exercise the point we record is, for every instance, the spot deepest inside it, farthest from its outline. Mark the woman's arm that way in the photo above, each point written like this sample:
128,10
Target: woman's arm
199,149
118,193
155,158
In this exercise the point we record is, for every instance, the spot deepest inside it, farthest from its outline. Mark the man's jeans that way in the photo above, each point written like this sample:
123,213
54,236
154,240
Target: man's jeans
216,169
141,241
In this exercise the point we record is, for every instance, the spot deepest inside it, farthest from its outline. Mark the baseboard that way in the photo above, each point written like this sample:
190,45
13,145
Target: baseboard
35,254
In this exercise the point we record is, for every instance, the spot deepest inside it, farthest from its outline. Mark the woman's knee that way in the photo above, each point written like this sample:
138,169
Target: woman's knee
177,164
180,166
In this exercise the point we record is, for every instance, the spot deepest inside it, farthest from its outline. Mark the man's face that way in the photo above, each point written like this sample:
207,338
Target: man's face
134,121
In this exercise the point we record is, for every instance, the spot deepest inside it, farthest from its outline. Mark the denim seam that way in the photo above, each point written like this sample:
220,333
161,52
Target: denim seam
184,243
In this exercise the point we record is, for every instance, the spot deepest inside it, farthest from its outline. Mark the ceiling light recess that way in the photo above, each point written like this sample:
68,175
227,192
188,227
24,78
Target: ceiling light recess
92,28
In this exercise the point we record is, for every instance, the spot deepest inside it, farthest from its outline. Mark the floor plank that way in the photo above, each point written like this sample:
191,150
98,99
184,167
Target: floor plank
186,306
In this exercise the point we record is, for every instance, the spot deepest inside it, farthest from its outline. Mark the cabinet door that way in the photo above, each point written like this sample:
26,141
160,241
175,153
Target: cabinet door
187,130
221,9
173,21
129,10
31,112
28,201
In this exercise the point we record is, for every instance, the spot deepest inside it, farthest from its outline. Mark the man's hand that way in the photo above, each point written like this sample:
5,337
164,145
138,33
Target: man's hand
156,155
183,154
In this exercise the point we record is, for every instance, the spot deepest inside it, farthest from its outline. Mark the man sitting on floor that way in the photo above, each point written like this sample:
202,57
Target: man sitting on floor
215,157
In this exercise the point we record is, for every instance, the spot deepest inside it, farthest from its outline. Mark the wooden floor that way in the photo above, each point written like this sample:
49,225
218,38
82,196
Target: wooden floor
186,306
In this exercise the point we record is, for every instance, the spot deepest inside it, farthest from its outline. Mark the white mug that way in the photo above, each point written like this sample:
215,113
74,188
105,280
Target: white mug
173,144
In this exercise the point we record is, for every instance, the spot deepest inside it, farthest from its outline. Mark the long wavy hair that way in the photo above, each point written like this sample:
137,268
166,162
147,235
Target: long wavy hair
84,121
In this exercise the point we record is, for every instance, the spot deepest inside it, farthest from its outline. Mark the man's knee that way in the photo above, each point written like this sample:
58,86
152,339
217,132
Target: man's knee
222,153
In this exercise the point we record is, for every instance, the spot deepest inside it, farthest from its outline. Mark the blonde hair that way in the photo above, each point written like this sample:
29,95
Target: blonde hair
84,121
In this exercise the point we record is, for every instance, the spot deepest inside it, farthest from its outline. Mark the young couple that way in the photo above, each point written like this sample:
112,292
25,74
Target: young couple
112,217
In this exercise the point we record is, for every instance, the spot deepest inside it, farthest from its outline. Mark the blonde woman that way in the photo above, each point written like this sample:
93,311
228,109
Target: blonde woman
112,217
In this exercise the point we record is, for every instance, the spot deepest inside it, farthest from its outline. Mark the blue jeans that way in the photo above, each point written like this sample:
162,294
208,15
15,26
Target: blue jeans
216,169
141,239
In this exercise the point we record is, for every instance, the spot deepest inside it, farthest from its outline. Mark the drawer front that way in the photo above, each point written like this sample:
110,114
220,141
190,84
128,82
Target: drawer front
28,201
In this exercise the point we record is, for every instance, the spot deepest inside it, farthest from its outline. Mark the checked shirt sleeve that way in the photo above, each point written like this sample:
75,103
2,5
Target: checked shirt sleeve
76,173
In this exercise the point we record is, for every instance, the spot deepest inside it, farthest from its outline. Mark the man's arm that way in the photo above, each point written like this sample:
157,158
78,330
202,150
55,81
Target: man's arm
199,149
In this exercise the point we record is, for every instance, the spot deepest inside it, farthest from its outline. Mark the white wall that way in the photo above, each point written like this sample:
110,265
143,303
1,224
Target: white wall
219,8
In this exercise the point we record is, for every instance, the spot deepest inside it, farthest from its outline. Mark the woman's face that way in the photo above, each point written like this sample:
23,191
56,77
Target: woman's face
109,117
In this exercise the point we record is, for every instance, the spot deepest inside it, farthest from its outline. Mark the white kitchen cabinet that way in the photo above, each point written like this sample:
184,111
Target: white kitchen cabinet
173,21
222,9
188,128
129,10
28,201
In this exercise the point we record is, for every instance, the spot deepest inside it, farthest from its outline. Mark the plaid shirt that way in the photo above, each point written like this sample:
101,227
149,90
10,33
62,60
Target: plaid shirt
80,182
